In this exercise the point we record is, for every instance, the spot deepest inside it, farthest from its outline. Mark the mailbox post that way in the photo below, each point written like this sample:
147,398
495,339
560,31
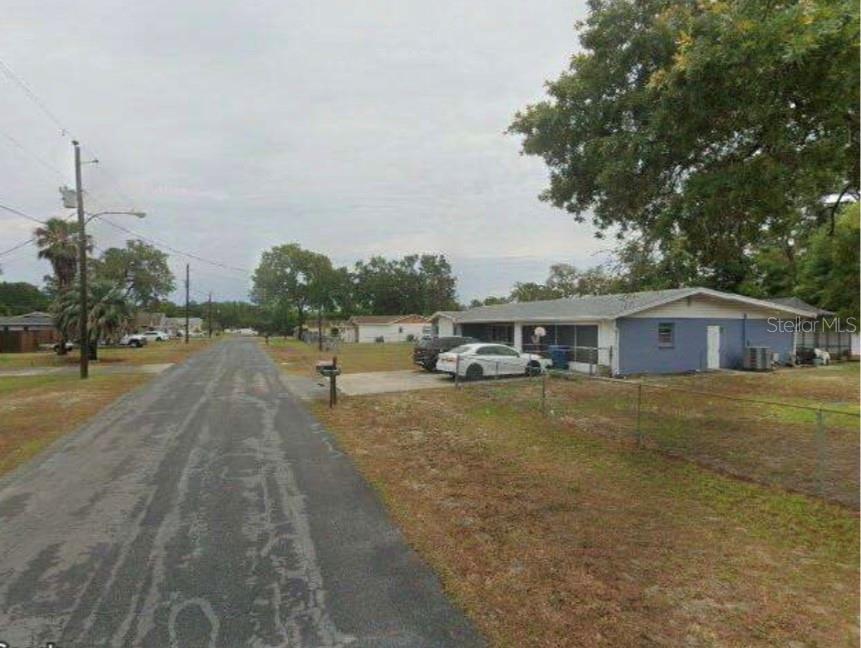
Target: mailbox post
331,370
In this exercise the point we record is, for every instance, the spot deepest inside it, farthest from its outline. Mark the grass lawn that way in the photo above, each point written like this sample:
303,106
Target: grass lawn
36,410
297,357
835,386
152,353
549,535
770,444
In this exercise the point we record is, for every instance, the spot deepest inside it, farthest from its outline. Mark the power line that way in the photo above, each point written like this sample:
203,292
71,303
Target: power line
10,74
18,212
33,239
170,248
18,246
47,165
31,94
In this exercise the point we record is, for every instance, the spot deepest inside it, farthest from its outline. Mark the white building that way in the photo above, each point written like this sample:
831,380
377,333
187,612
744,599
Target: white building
385,328
176,325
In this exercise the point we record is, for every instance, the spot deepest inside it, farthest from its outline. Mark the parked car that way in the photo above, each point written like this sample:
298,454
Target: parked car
427,349
156,336
474,361
136,340
69,346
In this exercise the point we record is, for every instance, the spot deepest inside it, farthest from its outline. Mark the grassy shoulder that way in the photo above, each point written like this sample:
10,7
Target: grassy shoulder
297,357
37,410
170,351
549,535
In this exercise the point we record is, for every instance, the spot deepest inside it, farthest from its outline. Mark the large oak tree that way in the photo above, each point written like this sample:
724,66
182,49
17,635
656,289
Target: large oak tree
703,130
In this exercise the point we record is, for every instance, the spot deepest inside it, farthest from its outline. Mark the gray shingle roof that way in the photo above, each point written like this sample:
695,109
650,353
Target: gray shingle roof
36,318
383,319
795,302
592,307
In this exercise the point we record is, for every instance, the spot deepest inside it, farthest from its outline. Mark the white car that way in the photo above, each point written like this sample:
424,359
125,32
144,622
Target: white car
474,361
156,336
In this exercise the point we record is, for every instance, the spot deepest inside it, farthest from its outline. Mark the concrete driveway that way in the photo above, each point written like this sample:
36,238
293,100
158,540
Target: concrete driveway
381,382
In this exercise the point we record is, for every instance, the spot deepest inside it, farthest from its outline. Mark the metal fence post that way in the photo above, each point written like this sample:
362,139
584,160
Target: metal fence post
820,452
544,393
639,409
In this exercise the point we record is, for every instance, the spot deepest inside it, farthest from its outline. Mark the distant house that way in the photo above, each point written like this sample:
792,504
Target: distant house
173,325
385,328
26,333
662,331
144,321
176,326
342,330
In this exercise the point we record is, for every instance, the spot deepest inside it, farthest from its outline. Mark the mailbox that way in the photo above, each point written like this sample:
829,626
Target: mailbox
328,368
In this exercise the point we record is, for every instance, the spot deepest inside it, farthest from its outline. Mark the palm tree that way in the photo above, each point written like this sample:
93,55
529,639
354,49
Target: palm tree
57,241
110,314
109,317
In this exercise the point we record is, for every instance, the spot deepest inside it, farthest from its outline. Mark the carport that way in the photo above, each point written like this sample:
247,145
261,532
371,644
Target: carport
502,332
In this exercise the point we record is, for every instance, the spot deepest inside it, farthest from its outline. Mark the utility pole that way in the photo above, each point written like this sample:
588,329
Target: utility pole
187,288
83,334
209,315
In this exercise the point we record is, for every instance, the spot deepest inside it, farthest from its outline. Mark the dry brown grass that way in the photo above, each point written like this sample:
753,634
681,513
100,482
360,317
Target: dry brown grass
297,357
549,536
36,410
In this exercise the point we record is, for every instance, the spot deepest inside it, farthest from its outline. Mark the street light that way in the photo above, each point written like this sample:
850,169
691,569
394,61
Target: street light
82,322
82,253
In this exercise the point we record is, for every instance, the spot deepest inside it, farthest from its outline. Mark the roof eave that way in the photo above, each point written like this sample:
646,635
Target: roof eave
752,301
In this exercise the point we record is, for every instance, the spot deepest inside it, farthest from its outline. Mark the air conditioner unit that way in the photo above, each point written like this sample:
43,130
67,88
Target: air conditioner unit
757,358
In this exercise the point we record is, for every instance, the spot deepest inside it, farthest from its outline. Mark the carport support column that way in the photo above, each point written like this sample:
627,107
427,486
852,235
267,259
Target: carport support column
518,336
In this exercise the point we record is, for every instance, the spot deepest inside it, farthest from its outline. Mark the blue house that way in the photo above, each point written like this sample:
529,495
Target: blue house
661,331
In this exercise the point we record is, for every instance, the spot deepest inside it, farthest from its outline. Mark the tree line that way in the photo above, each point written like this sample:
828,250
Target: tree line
825,273
292,285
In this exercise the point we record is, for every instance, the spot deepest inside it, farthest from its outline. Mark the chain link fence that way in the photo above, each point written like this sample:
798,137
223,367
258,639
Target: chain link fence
804,449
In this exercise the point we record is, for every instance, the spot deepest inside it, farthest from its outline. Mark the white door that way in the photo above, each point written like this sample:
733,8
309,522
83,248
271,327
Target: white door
713,347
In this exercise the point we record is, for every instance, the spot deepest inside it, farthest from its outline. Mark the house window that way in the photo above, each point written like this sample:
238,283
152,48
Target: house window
666,334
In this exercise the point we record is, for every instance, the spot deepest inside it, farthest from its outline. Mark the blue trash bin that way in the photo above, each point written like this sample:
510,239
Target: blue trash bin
559,355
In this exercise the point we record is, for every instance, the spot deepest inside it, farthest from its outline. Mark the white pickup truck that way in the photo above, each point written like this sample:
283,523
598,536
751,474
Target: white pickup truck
156,336
136,340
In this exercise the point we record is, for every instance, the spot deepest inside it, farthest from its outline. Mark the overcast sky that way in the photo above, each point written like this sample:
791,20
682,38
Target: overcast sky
352,128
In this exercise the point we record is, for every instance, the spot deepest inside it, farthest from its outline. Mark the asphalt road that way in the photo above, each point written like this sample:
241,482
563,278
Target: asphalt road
207,509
